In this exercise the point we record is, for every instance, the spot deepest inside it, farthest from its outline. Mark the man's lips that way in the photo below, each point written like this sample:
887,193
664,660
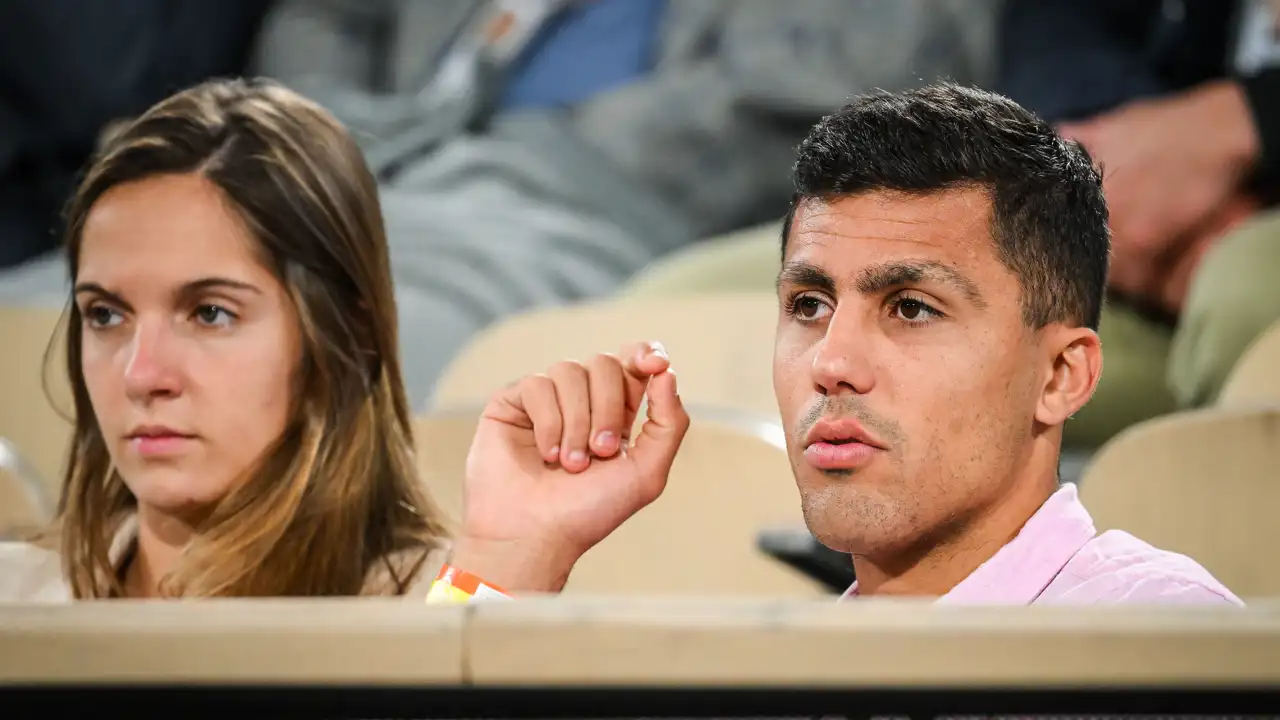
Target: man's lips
841,444
842,430
840,456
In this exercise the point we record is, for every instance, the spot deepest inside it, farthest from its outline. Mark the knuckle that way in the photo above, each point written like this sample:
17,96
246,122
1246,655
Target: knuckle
533,383
606,363
566,368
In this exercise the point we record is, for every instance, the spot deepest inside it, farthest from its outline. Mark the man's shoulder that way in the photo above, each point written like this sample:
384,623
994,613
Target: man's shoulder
1116,567
29,573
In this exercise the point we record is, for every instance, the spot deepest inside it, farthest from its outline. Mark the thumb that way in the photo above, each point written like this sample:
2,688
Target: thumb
663,431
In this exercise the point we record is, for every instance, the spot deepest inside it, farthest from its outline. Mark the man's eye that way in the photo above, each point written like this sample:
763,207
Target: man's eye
808,308
913,311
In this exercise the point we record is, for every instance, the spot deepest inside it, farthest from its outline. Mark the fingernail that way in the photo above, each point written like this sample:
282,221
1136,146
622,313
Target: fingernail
658,349
577,457
554,452
605,441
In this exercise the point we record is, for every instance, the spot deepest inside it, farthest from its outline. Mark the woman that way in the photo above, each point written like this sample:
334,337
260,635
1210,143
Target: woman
241,426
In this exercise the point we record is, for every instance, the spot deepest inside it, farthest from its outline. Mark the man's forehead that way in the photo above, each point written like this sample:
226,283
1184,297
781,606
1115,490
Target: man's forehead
953,225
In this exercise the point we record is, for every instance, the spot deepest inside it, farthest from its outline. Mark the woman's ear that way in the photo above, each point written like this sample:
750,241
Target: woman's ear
1075,359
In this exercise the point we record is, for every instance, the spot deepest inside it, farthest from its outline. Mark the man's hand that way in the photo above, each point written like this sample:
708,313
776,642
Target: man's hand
1169,165
1175,275
552,470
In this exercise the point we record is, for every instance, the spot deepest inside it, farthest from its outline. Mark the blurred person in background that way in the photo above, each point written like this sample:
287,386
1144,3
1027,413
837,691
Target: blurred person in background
241,427
540,152
537,152
70,68
1179,102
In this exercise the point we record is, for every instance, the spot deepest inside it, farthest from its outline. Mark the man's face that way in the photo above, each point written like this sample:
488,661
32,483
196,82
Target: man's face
905,374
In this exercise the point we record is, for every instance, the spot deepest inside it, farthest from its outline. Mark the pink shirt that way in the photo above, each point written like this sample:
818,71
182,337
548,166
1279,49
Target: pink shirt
1059,557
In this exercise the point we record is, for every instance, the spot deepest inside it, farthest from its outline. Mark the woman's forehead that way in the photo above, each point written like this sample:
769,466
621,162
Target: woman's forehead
173,227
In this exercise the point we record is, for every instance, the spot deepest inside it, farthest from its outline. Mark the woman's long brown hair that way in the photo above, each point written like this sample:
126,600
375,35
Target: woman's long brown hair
337,499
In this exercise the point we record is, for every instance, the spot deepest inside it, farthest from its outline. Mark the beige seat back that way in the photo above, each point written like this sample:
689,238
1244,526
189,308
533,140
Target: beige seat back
27,418
730,480
1204,483
721,347
1255,379
23,506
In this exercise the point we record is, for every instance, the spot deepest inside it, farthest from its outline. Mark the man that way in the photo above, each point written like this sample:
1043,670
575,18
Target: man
944,263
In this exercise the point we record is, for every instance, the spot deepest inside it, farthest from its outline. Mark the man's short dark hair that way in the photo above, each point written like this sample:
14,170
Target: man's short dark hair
1049,218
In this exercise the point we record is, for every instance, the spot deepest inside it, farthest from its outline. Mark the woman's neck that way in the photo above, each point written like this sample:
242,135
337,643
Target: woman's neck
161,540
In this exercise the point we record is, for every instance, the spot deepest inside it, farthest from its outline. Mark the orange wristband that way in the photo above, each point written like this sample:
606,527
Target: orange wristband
458,586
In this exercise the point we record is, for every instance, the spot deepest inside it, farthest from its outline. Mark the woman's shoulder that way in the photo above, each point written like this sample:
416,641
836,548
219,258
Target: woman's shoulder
427,572
412,569
29,573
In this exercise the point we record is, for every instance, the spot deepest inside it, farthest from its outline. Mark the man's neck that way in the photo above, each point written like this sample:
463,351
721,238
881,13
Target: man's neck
161,540
941,563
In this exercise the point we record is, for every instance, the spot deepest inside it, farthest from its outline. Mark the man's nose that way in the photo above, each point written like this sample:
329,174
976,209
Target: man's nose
843,362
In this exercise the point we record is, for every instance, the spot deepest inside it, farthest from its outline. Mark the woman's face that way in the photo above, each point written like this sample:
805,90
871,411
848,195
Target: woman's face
189,342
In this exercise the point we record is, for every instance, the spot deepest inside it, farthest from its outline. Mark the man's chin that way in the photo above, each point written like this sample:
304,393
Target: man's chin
833,540
827,526
855,520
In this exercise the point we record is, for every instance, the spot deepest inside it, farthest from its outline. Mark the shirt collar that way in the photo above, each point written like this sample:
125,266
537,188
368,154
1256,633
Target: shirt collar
1025,566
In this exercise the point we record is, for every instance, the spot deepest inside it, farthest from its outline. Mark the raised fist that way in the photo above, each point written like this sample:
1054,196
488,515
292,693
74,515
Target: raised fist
553,468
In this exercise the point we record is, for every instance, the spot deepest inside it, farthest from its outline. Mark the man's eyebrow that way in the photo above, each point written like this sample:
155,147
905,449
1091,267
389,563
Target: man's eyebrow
876,279
806,275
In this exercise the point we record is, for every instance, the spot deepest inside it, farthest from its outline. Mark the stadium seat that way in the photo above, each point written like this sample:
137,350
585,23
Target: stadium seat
24,503
1204,483
38,428
1255,379
721,347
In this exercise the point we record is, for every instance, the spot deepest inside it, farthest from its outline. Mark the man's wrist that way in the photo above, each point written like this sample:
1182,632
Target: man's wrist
517,566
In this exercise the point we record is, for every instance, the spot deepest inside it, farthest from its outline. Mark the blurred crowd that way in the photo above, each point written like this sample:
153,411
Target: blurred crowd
539,152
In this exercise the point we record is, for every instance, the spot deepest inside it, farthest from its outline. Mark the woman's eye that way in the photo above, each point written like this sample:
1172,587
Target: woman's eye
100,316
213,315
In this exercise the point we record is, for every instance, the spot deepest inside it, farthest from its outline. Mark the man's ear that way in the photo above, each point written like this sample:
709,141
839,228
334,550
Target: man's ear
1075,357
